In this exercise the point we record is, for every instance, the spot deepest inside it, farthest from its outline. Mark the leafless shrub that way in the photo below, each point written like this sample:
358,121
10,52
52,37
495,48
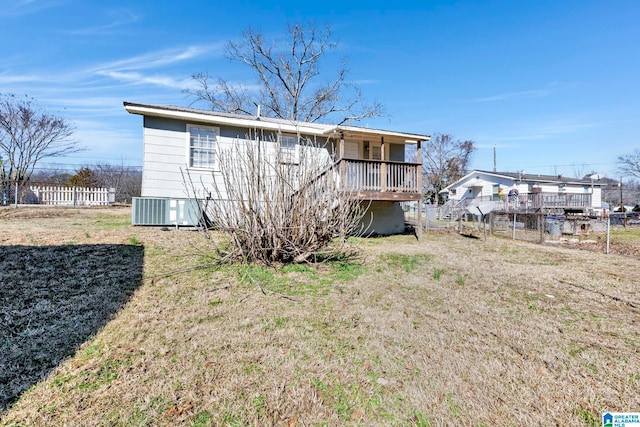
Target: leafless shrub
275,202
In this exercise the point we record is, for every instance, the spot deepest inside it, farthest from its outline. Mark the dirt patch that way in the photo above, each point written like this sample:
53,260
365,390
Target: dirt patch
32,212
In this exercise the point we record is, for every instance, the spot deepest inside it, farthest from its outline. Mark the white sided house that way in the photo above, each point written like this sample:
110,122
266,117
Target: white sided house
515,191
184,142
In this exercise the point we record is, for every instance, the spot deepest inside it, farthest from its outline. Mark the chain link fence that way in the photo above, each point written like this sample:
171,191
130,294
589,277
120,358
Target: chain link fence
614,233
538,227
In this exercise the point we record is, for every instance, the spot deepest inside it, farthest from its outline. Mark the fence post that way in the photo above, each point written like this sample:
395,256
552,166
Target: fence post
419,219
426,220
541,224
491,223
484,226
514,225
608,232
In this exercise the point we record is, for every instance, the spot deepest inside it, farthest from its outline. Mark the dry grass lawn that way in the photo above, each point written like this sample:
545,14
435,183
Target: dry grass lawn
102,323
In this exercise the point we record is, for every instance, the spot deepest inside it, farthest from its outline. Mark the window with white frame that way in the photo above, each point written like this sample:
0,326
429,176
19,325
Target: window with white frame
288,149
203,143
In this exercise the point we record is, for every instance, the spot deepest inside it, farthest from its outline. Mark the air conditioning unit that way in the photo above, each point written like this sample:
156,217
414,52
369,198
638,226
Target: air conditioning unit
165,211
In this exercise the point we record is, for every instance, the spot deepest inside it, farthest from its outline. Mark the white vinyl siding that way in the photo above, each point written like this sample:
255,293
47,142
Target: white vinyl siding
203,143
351,150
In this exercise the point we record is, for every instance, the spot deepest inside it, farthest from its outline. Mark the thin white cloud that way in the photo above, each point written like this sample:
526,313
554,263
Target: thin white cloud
119,18
102,140
159,58
129,71
367,82
87,101
140,79
21,4
526,94
8,79
25,7
83,107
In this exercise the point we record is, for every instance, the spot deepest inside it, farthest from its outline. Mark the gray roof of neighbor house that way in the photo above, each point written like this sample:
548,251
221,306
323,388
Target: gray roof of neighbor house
268,123
530,177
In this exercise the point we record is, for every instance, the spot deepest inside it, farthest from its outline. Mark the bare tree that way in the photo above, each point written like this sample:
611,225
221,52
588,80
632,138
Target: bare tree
629,164
288,73
580,171
445,159
126,180
56,176
617,192
269,204
28,134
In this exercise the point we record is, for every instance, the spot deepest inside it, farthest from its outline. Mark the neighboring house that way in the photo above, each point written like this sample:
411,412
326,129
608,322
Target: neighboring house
525,192
627,208
369,163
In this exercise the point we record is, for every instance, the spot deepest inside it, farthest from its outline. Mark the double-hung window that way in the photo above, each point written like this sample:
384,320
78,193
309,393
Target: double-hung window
288,149
203,143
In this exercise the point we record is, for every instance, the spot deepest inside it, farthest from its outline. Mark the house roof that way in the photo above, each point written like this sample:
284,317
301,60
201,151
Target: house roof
529,178
268,123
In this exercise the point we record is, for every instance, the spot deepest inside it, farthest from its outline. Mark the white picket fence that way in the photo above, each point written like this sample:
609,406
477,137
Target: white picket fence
72,196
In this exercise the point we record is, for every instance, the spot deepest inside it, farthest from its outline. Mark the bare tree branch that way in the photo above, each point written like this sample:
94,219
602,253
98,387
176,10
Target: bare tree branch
629,164
27,135
288,72
445,160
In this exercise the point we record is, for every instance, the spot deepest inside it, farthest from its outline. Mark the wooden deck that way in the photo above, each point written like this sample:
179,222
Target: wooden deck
381,180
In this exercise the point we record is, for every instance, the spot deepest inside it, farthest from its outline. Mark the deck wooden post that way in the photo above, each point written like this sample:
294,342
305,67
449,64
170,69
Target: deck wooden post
419,183
343,183
343,165
383,167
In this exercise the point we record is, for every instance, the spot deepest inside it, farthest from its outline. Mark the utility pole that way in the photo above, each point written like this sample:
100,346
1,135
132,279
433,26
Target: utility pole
494,159
620,186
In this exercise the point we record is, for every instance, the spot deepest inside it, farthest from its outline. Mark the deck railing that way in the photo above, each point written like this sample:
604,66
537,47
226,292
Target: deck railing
560,200
379,176
532,201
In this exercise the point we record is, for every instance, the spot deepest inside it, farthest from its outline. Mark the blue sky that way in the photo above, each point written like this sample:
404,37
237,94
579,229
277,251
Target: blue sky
552,85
